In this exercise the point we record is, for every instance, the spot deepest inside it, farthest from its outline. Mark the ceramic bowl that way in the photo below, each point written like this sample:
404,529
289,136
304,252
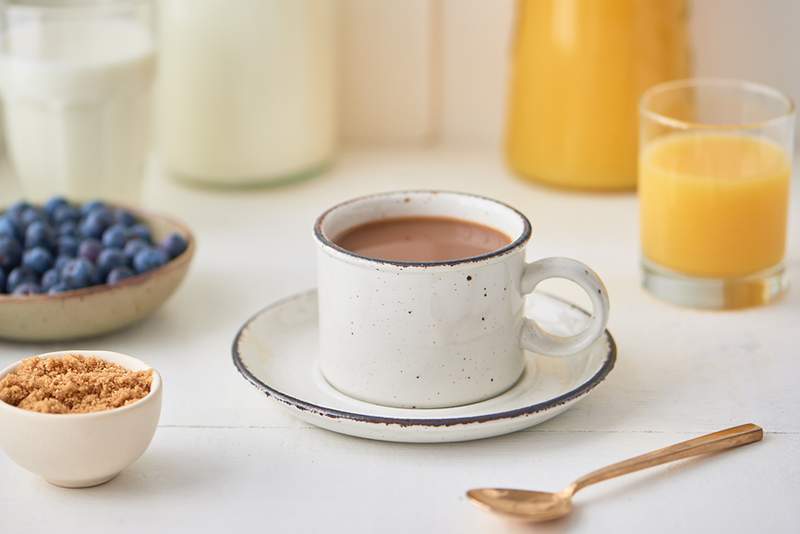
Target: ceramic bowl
98,309
81,450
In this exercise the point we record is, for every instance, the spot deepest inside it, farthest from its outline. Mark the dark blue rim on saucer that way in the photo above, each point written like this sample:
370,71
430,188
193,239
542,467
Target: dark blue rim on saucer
332,413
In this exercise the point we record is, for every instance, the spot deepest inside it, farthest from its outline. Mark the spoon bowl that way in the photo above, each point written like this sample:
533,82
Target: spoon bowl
523,504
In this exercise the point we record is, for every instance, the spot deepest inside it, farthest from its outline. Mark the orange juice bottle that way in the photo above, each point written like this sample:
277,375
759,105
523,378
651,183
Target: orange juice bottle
578,69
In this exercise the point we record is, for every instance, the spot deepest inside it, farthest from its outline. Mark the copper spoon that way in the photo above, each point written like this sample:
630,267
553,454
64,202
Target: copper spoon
542,506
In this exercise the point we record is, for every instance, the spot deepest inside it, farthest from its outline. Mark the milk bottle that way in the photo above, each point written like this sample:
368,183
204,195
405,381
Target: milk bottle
246,89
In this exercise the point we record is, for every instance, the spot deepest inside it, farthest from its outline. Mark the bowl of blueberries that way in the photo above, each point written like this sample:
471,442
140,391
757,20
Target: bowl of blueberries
70,270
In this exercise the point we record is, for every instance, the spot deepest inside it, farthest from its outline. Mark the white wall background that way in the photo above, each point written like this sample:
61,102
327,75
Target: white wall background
434,71
387,68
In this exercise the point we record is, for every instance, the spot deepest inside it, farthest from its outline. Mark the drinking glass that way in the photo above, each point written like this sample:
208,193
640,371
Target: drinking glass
715,160
75,82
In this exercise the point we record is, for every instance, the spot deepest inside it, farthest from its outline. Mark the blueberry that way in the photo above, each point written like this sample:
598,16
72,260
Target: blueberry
66,213
109,259
38,259
174,245
18,276
68,246
2,281
91,206
69,228
96,279
61,261
105,213
94,224
78,273
58,288
38,234
133,246
30,216
16,209
148,259
118,274
124,217
115,237
90,249
27,288
10,228
50,279
53,204
10,252
140,231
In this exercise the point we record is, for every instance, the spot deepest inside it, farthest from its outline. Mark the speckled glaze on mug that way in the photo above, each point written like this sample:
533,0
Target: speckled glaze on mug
436,334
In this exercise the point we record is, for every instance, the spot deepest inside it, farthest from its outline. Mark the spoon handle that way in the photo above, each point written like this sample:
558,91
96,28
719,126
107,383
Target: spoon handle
718,441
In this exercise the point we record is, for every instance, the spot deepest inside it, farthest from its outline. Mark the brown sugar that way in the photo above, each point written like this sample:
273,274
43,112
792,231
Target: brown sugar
72,384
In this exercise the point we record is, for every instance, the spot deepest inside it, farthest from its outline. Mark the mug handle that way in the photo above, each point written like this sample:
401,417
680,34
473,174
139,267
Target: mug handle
536,339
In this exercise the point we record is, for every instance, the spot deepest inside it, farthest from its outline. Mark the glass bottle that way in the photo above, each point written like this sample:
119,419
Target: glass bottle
578,70
246,89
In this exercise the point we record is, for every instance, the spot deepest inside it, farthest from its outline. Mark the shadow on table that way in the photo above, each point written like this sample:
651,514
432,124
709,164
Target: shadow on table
500,524
160,472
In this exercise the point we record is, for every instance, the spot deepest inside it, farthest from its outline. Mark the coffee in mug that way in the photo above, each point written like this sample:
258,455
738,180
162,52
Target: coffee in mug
422,239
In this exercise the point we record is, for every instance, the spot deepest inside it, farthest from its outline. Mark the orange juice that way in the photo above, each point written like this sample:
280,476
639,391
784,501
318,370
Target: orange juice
579,67
713,204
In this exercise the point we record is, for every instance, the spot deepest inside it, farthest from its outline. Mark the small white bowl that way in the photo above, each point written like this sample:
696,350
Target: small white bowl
81,450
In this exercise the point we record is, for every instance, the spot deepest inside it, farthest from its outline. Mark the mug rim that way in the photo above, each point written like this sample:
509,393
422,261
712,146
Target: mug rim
515,244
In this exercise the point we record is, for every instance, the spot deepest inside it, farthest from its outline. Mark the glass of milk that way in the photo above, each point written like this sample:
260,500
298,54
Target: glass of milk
75,78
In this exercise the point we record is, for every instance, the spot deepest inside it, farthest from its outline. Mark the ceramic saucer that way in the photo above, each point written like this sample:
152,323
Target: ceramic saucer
276,351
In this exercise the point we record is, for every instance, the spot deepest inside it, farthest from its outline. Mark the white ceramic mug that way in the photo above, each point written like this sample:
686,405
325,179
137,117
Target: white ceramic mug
436,334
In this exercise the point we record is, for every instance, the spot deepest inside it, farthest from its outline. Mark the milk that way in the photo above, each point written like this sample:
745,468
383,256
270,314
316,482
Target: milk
246,88
76,106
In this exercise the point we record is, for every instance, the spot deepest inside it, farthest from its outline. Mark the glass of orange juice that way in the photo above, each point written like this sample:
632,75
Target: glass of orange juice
715,161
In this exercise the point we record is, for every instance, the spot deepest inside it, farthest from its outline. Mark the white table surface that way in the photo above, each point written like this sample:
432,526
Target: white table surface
225,457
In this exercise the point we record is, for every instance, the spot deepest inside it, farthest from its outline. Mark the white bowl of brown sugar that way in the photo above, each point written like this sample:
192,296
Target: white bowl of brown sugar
78,418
